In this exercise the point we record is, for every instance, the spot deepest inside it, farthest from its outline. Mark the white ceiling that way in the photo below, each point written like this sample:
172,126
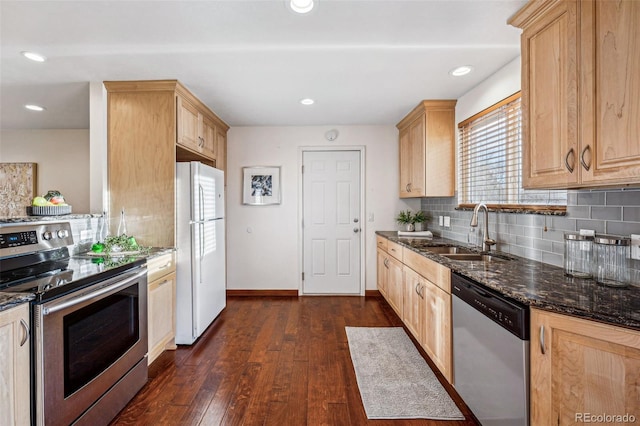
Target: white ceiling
364,62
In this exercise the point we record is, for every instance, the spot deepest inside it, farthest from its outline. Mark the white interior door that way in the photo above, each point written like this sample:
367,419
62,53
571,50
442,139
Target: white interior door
331,222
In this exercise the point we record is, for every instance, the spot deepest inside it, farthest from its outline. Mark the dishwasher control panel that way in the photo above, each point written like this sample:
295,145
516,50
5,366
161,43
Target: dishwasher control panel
510,314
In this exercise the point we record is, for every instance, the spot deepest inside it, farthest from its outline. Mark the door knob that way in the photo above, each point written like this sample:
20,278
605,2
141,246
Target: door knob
355,220
356,230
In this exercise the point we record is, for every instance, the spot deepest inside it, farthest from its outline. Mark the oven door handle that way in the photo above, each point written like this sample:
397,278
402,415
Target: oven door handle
119,284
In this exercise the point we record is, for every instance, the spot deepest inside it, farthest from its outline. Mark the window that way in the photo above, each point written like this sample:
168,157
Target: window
490,161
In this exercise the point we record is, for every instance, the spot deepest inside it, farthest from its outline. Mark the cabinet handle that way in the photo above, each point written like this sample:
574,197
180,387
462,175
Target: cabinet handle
25,327
165,266
416,289
585,165
421,292
542,349
386,263
163,283
566,160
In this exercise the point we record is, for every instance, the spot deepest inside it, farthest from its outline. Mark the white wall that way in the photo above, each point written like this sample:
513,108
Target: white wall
503,83
62,157
268,257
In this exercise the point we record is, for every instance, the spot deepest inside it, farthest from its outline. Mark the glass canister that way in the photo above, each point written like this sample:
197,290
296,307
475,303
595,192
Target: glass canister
577,255
611,255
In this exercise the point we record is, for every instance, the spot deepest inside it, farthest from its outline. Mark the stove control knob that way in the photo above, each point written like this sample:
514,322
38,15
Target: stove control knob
47,235
63,233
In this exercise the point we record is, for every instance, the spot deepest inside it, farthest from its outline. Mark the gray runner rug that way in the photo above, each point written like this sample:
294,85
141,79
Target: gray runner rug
395,381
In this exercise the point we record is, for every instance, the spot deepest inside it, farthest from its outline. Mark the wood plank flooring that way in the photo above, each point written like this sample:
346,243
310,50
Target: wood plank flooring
269,361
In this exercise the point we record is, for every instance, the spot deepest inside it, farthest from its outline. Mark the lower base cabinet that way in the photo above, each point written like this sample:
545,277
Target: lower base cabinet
583,371
15,358
161,305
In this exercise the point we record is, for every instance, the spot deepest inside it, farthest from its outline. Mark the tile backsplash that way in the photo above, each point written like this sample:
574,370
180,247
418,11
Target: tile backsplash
541,237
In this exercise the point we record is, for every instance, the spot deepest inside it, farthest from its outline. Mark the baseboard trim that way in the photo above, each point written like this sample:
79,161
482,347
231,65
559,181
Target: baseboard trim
263,293
372,293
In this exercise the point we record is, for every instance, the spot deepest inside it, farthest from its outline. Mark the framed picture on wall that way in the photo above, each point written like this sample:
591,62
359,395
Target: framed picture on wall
261,185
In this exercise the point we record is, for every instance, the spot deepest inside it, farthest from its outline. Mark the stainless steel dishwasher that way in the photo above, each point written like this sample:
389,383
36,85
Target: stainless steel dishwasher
490,353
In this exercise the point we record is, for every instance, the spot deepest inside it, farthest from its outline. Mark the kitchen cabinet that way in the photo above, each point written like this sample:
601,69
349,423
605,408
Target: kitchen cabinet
581,367
435,306
419,290
413,307
151,125
161,304
15,372
427,150
580,93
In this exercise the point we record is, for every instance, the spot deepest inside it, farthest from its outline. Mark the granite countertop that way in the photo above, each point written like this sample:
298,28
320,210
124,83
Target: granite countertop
23,219
538,284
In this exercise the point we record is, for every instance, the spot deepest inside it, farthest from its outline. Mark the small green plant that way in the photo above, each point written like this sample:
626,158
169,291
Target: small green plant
405,217
421,217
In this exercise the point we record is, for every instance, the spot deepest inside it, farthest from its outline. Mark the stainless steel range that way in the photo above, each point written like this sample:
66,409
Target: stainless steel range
89,321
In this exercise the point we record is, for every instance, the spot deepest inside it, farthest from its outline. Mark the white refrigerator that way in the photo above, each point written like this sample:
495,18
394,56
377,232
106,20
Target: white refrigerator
200,265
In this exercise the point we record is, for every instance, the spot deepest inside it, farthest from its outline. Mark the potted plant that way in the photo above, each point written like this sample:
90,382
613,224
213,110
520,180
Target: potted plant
419,219
405,220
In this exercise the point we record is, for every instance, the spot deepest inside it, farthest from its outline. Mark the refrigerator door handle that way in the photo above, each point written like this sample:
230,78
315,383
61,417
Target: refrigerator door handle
201,203
201,241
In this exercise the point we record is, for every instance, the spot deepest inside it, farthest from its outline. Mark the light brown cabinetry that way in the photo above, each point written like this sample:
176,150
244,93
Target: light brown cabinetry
161,304
151,125
419,290
435,305
14,366
580,93
581,367
427,150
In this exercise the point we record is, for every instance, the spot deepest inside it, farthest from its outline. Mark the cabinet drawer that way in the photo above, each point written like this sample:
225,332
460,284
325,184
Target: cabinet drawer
382,242
433,271
160,266
394,250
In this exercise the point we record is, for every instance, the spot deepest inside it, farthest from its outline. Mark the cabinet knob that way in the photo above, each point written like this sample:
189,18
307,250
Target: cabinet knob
542,349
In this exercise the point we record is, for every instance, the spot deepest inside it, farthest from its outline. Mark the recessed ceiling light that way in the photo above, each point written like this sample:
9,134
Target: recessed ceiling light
34,56
460,71
307,101
32,107
301,6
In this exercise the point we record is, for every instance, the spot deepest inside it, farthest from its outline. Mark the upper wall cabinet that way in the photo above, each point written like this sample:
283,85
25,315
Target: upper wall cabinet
427,150
151,125
580,93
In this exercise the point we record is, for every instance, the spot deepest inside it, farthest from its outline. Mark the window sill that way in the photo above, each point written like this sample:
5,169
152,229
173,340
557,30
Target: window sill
541,210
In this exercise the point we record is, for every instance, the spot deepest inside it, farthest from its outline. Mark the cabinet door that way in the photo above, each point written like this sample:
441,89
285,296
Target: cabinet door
395,288
437,330
549,99
417,157
221,149
382,273
579,367
188,125
405,163
14,368
610,88
439,153
413,306
161,314
208,134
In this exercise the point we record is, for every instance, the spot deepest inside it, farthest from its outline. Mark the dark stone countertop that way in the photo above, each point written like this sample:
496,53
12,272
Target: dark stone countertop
25,219
11,300
538,284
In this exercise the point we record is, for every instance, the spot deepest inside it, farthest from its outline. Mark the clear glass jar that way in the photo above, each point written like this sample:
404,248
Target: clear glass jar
611,255
577,255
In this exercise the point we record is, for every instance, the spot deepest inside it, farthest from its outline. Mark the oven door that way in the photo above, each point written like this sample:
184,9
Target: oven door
86,342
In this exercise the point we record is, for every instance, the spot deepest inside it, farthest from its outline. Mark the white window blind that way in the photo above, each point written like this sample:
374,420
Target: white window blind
490,160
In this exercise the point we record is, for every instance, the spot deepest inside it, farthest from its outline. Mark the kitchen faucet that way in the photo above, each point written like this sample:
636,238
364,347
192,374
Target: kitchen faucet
486,241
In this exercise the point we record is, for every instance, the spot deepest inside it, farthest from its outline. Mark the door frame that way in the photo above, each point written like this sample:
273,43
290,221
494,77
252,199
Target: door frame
361,149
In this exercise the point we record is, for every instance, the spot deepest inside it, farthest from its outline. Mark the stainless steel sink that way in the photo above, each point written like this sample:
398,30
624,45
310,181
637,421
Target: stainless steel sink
448,250
474,257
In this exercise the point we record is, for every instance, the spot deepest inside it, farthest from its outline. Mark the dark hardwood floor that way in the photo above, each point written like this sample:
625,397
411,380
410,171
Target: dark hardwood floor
269,361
